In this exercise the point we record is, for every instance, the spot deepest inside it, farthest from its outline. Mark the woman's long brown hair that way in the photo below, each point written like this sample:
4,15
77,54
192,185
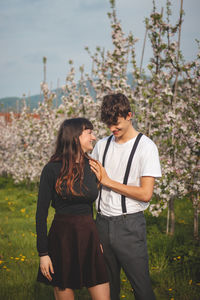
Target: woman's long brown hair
68,150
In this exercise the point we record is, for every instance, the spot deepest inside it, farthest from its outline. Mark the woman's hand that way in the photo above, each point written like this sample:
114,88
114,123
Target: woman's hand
101,248
45,266
99,171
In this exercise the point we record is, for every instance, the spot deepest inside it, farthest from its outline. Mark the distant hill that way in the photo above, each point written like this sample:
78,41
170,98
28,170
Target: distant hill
7,103
15,103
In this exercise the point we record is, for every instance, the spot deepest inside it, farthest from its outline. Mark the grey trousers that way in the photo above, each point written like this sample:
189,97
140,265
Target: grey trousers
124,244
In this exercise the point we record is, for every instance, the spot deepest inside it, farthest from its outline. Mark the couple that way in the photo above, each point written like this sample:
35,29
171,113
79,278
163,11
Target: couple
76,252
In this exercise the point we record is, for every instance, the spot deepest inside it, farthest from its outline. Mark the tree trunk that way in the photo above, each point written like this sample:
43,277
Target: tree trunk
196,206
172,216
168,215
171,202
196,223
44,70
144,43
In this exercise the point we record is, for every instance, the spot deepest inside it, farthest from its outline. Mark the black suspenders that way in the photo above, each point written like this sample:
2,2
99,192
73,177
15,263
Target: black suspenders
128,169
123,198
103,162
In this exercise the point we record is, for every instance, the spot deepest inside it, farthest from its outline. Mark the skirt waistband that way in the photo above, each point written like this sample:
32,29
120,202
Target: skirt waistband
63,217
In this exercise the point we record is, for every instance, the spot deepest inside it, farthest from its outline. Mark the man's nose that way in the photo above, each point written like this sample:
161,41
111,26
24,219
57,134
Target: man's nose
112,128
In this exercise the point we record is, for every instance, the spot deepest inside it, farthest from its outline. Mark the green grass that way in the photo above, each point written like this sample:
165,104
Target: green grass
174,261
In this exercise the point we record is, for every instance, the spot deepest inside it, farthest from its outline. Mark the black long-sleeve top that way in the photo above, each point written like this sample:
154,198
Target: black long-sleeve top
71,204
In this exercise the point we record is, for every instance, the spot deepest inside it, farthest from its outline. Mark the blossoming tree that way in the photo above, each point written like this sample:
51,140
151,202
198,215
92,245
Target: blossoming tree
165,106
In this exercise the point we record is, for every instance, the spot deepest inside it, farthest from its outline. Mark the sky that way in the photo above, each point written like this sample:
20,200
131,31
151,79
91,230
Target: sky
60,30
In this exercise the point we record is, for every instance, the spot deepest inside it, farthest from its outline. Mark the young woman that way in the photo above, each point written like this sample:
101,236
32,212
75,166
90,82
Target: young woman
71,255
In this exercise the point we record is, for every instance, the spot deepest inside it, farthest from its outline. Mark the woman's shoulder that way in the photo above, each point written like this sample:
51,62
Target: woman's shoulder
51,166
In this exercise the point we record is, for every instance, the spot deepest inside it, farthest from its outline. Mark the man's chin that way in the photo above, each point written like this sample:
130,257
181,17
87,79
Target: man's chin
116,133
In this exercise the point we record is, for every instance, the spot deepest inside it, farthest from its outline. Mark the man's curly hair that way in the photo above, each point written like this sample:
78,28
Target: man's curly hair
114,106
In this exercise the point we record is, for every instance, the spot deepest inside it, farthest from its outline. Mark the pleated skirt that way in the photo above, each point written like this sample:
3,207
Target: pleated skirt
74,248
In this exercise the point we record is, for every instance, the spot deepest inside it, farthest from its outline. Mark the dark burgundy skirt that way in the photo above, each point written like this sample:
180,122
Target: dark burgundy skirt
74,248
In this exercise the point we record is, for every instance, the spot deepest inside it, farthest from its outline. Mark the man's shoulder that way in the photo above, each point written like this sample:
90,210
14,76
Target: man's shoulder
147,142
102,142
99,148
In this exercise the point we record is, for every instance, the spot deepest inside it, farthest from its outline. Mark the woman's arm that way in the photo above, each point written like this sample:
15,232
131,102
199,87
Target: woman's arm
43,203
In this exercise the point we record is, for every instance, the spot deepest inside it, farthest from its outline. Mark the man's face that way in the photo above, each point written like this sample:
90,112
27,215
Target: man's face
121,127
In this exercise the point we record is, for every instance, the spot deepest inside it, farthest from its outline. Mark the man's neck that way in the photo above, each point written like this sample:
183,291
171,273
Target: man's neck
128,135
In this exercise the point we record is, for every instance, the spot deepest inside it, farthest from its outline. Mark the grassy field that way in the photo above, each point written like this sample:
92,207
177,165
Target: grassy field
174,261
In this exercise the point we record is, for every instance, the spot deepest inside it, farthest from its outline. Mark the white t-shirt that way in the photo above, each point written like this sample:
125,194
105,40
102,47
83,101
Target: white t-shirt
145,163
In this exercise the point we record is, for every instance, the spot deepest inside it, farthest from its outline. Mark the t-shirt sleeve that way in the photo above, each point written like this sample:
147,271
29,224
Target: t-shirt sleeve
150,163
44,198
95,152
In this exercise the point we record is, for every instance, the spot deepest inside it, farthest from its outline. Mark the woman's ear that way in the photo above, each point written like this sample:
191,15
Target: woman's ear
76,140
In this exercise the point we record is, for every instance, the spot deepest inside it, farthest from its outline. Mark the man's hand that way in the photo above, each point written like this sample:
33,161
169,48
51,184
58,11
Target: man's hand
46,266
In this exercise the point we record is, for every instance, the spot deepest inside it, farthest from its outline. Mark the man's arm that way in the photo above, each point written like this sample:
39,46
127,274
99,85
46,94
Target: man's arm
142,193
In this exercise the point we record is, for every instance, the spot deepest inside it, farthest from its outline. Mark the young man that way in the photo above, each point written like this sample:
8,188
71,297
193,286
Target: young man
120,219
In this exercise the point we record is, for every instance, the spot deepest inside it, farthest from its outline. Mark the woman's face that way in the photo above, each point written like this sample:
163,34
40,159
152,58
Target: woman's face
86,138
